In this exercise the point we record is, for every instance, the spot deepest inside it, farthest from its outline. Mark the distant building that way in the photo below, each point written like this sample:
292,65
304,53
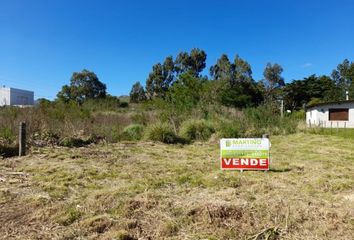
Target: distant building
15,97
332,114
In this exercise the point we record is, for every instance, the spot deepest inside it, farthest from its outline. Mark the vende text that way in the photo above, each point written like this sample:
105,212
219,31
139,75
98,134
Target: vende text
245,163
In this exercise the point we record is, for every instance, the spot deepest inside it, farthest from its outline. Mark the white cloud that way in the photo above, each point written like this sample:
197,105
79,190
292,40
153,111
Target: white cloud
307,65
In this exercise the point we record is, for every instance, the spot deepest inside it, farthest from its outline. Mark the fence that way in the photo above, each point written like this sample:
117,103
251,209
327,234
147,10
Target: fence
337,128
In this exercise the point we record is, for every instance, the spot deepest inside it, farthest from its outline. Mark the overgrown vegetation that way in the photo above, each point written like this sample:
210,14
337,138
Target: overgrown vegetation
76,125
178,104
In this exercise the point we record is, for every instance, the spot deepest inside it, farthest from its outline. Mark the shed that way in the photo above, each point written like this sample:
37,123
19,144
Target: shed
16,97
331,114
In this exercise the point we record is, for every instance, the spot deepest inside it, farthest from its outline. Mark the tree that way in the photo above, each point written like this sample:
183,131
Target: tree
137,94
273,81
186,91
193,63
83,85
242,70
183,96
160,79
300,92
344,78
222,70
237,87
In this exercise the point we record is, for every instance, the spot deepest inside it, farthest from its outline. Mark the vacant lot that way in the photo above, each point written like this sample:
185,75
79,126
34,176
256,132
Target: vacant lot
149,190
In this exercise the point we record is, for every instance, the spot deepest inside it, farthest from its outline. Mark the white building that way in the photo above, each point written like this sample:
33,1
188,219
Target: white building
333,114
15,97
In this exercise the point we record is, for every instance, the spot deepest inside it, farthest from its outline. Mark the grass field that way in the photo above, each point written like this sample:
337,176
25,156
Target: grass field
148,190
340,132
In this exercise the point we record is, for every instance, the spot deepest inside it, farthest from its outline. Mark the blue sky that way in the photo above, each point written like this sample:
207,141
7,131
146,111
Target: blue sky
42,42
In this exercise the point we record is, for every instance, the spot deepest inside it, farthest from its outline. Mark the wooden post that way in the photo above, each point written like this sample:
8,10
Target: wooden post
22,139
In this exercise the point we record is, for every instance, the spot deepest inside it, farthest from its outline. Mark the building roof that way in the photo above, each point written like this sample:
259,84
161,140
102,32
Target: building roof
329,103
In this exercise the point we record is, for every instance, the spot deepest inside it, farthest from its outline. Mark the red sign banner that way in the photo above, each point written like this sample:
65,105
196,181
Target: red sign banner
244,153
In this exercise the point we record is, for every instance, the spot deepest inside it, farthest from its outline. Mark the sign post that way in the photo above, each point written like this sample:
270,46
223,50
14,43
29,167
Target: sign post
244,154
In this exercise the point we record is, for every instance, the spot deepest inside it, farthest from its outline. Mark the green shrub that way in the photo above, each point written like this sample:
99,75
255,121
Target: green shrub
7,135
124,105
300,115
133,132
267,119
162,132
197,130
229,129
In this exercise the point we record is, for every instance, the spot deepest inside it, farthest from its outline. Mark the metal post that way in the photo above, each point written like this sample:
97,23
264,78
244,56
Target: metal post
22,139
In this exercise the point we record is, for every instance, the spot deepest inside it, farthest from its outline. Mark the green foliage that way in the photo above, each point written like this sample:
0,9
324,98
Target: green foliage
340,132
314,101
192,63
197,130
236,87
309,91
162,132
223,69
124,105
267,119
182,98
160,79
69,216
242,95
7,135
74,142
300,115
185,93
108,103
273,81
343,76
137,94
83,85
133,132
229,129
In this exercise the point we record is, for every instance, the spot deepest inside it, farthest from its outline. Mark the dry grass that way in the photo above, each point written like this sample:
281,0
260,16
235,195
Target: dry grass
154,191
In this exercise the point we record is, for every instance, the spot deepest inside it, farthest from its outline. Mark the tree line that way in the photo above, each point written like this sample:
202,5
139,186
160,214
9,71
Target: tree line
180,81
230,83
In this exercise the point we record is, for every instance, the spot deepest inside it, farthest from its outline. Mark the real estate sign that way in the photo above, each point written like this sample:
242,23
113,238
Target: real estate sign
244,153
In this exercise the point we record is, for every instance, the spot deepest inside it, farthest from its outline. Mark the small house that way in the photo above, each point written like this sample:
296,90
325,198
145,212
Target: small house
331,114
16,97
